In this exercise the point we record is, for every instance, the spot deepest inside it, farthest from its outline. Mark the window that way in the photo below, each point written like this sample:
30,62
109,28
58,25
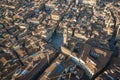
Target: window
94,55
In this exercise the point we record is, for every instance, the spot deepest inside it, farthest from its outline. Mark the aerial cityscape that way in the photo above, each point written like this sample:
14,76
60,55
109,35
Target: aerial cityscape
59,39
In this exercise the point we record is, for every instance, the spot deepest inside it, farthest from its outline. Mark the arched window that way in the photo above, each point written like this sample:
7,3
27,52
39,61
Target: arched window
94,55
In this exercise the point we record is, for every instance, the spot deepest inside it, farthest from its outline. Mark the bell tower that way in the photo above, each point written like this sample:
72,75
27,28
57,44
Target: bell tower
65,35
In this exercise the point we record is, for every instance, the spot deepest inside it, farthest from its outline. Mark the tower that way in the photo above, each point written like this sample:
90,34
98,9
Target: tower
65,34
